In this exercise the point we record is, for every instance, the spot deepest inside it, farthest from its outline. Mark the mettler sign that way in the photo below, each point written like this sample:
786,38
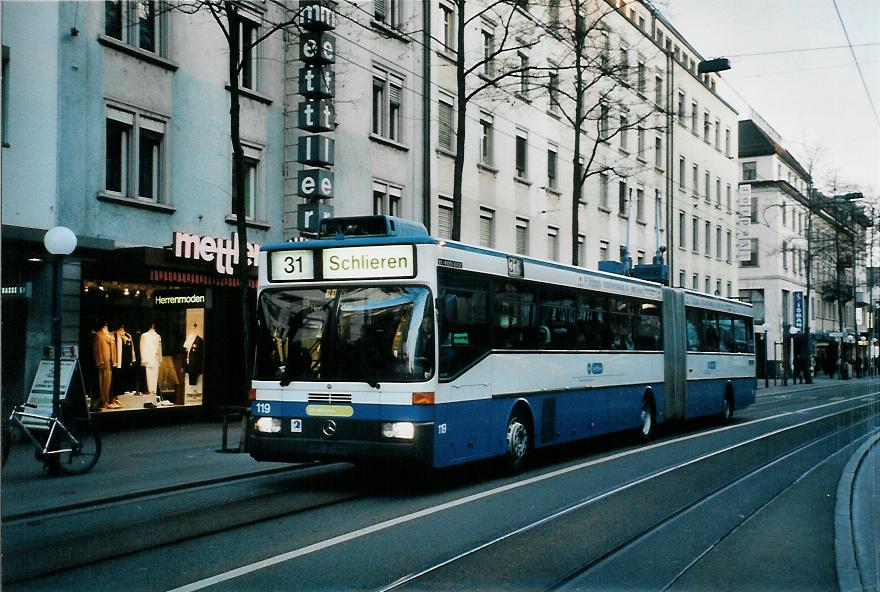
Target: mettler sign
224,252
316,115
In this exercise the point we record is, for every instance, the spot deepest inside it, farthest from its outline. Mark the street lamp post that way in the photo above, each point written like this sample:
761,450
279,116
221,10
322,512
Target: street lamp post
60,241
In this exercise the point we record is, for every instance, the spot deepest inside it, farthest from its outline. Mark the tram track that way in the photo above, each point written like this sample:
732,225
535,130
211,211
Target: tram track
567,566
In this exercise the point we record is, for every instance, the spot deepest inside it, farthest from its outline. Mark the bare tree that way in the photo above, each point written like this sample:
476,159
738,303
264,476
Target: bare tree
587,85
227,14
493,69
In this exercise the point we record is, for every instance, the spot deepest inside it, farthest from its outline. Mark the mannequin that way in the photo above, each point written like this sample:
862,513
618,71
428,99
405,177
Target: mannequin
194,346
122,375
104,351
151,357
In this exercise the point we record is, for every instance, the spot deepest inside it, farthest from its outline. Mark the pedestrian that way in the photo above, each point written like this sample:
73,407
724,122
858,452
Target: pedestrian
857,364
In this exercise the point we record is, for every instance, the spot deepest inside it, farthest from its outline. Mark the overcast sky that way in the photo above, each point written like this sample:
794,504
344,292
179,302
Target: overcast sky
812,98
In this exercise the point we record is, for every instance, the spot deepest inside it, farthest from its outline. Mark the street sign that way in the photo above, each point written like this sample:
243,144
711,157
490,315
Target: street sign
835,334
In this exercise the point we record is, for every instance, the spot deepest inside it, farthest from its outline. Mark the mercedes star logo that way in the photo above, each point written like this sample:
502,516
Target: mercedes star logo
329,428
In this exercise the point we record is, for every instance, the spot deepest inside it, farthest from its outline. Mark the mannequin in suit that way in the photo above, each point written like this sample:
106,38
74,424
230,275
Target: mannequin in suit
122,374
103,350
151,357
194,347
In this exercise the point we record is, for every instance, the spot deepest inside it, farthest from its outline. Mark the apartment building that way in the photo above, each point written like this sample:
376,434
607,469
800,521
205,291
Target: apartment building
116,125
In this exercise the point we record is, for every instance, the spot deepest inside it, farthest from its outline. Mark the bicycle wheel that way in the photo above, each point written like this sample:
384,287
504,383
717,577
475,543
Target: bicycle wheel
6,442
82,456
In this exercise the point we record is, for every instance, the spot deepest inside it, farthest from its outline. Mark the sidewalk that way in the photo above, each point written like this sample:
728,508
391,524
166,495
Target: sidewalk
134,462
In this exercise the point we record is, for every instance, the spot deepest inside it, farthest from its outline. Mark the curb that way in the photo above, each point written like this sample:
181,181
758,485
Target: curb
848,577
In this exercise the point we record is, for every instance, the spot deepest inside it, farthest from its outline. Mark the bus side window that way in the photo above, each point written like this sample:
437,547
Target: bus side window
516,325
463,324
710,341
650,333
725,328
693,330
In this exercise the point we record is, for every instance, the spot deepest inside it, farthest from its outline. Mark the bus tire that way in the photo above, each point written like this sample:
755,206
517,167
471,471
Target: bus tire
647,418
517,441
727,406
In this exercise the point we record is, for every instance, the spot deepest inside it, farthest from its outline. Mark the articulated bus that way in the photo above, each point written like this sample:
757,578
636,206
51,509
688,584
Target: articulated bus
379,342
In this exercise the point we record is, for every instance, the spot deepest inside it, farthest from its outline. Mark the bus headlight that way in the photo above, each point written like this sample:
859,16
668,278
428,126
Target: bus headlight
268,425
402,430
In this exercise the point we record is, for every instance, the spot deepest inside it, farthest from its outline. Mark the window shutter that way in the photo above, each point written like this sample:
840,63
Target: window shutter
444,222
379,9
445,138
521,236
485,231
394,92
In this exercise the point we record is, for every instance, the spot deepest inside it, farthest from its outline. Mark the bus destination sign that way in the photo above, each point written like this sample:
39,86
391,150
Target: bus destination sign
385,261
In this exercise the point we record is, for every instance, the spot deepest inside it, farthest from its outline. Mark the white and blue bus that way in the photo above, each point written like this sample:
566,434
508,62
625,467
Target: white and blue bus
377,341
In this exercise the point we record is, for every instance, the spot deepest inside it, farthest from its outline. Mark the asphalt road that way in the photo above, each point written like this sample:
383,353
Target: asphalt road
748,506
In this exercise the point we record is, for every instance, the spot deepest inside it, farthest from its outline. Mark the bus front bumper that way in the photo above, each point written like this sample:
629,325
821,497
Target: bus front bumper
370,444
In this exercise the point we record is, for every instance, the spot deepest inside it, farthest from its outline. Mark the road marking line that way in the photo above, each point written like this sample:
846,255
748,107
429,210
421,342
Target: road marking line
367,530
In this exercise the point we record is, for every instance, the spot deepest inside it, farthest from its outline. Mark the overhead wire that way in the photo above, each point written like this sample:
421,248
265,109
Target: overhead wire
856,60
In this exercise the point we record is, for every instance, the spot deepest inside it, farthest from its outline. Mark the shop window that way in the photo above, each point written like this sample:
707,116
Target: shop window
143,345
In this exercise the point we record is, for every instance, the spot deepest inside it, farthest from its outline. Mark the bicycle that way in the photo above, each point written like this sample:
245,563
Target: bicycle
71,449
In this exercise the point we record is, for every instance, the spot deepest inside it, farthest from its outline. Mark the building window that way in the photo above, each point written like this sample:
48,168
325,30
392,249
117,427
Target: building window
582,250
387,12
695,282
706,126
623,65
750,171
708,239
553,243
696,172
522,236
753,210
729,246
718,242
717,134
553,91
708,285
552,180
487,139
386,199
447,21
446,125
603,250
718,191
727,142
488,53
640,143
604,114
387,104
681,167
624,132
681,278
247,52
729,198
4,98
695,226
694,117
553,13
522,142
641,78
682,234
621,197
785,255
523,74
250,170
134,165
752,261
640,204
658,152
603,191
135,23
658,91
444,218
487,227
682,113
707,176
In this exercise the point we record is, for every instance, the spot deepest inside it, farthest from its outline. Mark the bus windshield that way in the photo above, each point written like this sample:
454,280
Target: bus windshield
366,334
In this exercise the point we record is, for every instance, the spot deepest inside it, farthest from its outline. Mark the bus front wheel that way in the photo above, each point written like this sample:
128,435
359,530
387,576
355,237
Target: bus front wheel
518,442
646,419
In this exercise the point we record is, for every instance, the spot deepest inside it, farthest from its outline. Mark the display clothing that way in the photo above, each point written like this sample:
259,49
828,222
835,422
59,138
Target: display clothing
123,371
195,357
151,358
105,357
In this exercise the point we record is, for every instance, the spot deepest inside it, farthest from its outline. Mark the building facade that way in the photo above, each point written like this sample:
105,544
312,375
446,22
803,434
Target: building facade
119,129
805,261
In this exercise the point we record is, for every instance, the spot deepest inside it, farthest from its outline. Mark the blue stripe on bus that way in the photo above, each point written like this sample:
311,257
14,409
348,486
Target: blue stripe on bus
704,397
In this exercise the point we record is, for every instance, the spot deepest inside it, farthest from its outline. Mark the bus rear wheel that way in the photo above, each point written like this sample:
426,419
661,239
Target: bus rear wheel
517,443
646,419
